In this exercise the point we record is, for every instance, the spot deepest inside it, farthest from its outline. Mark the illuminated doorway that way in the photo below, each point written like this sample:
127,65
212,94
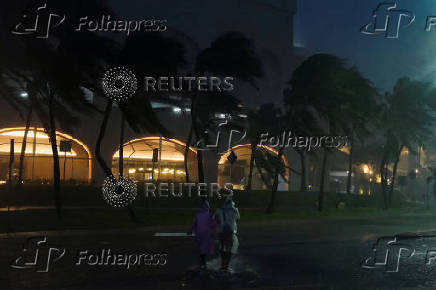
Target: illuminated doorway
238,172
167,166
75,163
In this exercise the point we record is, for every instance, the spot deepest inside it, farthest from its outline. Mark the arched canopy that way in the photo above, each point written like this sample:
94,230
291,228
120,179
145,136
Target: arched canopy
239,171
142,148
138,160
38,147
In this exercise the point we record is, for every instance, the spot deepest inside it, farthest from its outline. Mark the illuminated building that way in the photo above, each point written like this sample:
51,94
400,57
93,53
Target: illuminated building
38,161
238,172
169,166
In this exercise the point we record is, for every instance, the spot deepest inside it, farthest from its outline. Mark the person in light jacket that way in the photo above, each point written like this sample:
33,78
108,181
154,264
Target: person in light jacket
226,219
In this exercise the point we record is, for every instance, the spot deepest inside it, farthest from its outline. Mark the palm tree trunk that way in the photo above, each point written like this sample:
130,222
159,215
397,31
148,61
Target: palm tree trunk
383,180
322,184
250,173
350,165
54,147
197,135
394,174
303,170
272,201
121,150
23,146
186,155
100,159
265,179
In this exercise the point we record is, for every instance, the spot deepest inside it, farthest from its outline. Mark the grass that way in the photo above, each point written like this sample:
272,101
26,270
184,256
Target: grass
85,209
111,218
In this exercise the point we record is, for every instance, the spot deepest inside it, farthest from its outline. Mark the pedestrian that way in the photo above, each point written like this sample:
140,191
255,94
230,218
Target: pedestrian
204,229
226,219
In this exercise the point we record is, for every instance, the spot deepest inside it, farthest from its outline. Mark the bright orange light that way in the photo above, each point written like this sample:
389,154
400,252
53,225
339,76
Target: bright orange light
30,134
378,178
41,134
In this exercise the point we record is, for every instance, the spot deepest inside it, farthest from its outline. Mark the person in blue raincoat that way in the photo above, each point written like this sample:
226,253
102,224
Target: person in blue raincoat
226,219
204,227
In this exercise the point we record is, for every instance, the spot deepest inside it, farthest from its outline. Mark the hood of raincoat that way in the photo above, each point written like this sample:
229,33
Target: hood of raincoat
205,206
229,203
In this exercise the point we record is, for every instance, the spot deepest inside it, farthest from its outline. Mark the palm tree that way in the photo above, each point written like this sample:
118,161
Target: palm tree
260,121
431,178
407,118
231,54
10,95
321,85
168,58
137,112
362,112
57,71
302,122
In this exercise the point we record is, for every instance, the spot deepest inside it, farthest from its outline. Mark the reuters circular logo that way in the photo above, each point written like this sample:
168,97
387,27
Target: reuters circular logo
119,193
119,84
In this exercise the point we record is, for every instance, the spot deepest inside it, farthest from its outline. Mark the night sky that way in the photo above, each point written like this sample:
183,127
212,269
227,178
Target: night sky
333,27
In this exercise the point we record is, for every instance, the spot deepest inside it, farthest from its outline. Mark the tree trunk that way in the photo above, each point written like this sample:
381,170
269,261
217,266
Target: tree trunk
121,150
186,155
394,174
383,180
350,165
100,159
197,135
54,147
272,201
23,146
250,173
265,179
303,170
323,175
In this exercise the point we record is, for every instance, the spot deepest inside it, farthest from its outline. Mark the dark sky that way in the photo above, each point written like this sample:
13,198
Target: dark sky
333,27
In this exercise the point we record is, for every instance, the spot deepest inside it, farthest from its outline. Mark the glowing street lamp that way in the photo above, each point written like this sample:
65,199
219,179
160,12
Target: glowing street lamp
366,169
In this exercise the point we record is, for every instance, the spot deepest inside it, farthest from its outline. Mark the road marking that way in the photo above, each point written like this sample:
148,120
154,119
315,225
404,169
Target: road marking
173,235
304,286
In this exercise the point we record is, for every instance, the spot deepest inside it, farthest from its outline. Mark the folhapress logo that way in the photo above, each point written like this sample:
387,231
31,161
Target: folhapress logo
387,253
38,24
41,21
388,20
38,255
204,145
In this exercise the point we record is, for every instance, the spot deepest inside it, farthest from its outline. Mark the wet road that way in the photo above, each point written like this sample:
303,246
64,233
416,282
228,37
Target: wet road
304,254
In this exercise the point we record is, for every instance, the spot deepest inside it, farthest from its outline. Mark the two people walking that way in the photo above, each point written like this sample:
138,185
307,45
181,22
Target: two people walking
222,224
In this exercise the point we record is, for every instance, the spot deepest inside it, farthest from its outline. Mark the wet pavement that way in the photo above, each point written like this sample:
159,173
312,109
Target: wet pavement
300,254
